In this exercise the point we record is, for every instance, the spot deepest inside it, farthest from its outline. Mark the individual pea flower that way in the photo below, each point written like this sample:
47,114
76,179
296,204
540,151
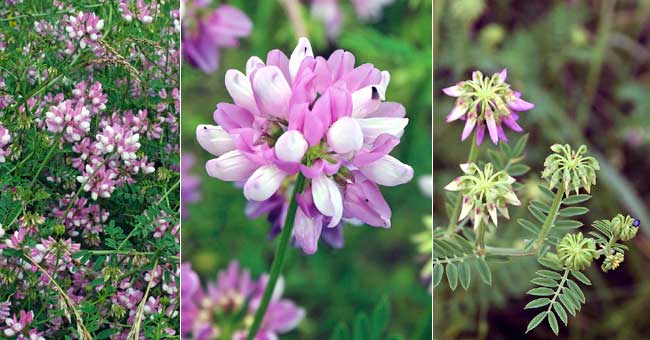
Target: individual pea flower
5,139
205,32
208,314
612,261
72,120
576,252
487,101
569,170
625,228
484,193
322,118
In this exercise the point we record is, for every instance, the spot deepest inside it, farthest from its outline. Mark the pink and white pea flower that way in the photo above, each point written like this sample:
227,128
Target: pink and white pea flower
323,118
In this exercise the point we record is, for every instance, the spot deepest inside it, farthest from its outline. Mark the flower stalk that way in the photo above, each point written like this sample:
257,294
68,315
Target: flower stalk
278,260
550,219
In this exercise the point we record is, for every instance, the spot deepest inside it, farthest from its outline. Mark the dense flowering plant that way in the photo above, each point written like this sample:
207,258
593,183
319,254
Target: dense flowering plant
309,139
205,31
481,195
89,154
225,309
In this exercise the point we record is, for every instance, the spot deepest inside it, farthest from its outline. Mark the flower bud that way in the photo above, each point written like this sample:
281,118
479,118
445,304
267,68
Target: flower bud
576,252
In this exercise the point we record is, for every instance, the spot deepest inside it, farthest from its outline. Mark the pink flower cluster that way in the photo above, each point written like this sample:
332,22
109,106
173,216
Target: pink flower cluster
73,120
322,118
83,218
5,139
139,9
205,32
206,314
85,28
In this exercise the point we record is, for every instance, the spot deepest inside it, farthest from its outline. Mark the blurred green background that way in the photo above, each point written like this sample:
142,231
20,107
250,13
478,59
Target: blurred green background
333,285
586,66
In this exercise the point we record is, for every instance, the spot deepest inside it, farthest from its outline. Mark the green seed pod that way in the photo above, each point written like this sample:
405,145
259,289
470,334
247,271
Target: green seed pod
568,170
576,252
624,228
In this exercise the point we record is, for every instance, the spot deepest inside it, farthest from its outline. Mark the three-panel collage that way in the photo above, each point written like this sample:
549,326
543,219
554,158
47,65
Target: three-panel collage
324,169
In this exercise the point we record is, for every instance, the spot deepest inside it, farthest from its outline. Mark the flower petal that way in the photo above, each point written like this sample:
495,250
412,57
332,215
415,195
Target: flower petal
388,171
365,101
291,146
302,50
374,127
327,198
452,91
263,183
231,166
272,92
345,135
214,139
307,231
239,88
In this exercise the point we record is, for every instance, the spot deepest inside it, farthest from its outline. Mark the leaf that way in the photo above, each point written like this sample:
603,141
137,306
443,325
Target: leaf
452,275
552,321
574,286
537,213
576,199
568,303
380,317
549,263
568,224
464,274
581,277
545,282
105,334
518,170
484,271
520,146
573,211
436,275
536,321
549,274
528,225
559,310
541,206
540,291
541,302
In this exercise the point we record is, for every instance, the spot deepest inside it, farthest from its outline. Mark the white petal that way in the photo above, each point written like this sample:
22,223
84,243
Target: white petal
214,139
387,171
302,50
291,146
231,166
345,135
365,101
307,231
263,183
253,64
327,198
272,92
239,88
373,127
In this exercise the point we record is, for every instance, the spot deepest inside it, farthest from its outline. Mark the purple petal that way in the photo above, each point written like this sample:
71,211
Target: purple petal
519,104
231,117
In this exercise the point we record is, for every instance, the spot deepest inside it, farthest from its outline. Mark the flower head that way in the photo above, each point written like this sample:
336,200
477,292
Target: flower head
205,32
576,252
487,101
568,169
229,304
484,193
322,118
612,261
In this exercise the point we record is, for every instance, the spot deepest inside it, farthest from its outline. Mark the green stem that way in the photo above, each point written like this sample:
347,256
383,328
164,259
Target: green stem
558,290
453,219
46,160
512,252
550,219
278,261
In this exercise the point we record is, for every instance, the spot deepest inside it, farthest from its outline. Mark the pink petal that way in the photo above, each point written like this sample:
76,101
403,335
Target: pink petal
272,92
